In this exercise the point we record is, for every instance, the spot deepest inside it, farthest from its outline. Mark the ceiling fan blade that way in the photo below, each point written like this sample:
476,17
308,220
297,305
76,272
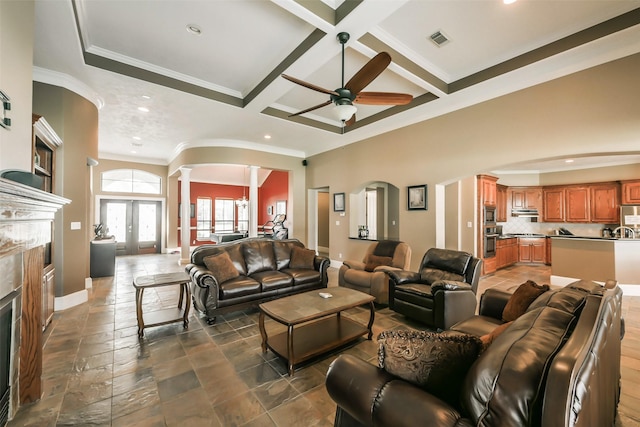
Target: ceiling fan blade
368,73
383,98
310,86
324,104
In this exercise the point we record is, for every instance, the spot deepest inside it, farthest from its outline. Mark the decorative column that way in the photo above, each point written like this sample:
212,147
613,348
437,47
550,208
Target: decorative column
253,201
185,215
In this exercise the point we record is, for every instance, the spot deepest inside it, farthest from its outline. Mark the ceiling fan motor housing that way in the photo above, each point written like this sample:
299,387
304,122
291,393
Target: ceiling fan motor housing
345,97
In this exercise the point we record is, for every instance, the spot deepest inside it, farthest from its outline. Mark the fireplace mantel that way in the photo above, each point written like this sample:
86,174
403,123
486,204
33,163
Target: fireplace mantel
26,216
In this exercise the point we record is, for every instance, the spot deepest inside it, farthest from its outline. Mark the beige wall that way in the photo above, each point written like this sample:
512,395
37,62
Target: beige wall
323,219
588,112
75,120
16,65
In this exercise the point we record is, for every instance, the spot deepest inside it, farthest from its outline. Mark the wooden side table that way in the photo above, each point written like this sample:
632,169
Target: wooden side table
167,315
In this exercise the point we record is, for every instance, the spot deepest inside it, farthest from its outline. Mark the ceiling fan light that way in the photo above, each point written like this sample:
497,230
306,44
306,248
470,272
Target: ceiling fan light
344,111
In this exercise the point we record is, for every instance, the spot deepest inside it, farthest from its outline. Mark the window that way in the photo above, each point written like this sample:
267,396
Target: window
224,215
203,218
243,217
131,181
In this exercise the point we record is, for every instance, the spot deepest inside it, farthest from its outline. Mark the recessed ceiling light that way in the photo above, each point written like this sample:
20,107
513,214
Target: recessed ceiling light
569,161
137,138
146,97
143,109
508,1
194,29
267,136
133,151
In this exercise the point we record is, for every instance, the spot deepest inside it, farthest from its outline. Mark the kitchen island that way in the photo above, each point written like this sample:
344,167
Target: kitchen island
598,259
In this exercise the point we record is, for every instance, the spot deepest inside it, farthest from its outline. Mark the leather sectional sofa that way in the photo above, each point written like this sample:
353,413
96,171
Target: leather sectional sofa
236,275
558,364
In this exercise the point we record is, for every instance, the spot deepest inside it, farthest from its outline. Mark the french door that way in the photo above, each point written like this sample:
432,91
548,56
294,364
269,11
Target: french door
135,224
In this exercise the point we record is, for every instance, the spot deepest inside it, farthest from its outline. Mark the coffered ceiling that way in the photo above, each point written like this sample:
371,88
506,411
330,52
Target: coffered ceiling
222,87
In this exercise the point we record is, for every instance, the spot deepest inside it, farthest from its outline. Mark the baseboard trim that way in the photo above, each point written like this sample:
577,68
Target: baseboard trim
71,300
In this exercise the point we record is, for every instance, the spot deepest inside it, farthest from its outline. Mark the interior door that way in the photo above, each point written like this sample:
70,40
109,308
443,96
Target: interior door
135,224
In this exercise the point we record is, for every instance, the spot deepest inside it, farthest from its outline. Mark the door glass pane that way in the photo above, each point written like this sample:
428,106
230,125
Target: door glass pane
146,222
117,220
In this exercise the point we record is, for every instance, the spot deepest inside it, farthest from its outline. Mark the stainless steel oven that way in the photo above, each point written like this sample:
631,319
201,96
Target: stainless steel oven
490,241
489,215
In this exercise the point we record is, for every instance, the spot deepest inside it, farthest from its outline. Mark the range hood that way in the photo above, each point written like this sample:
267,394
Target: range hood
525,213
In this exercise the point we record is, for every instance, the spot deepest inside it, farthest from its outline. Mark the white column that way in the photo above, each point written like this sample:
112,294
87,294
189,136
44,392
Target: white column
253,201
185,215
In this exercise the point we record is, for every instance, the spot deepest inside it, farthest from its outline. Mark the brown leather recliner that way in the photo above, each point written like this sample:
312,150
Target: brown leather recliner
441,293
370,274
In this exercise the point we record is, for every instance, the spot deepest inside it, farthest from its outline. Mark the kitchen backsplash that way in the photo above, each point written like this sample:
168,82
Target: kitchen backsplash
517,225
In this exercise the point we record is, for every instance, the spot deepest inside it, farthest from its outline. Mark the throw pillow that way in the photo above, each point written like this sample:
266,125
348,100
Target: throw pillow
221,266
302,258
436,362
374,261
521,299
487,339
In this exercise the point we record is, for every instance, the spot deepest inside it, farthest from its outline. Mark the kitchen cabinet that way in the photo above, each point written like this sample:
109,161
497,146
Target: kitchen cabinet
506,252
553,201
577,204
488,265
488,189
630,192
532,249
526,198
548,250
501,203
605,203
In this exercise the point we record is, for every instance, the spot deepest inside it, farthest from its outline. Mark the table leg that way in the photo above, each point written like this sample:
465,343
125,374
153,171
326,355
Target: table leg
180,298
187,305
371,317
139,292
290,349
263,332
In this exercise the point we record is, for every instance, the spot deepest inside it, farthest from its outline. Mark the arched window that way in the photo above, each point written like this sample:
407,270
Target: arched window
130,181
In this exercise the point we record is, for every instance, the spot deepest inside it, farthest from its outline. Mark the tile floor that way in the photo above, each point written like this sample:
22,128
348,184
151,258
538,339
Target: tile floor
97,373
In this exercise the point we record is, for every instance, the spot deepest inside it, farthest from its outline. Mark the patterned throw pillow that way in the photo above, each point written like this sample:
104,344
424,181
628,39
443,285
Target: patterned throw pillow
302,258
436,362
521,299
221,266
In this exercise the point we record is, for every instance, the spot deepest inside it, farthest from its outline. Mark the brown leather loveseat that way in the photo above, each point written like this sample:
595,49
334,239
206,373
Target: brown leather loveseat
236,275
558,364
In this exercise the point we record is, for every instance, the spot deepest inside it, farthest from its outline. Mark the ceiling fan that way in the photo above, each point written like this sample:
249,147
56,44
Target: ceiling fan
347,94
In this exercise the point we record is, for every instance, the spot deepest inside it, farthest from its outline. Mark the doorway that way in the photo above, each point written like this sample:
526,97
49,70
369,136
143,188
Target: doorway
135,224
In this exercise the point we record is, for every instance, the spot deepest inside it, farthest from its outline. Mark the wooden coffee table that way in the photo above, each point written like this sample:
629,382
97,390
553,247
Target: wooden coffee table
317,322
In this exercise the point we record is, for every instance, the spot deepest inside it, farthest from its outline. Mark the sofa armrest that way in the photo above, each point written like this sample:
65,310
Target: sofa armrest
403,276
449,285
200,276
356,265
386,269
371,396
492,303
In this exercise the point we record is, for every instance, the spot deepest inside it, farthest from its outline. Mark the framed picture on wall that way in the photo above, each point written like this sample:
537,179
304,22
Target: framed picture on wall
269,210
192,210
338,202
417,197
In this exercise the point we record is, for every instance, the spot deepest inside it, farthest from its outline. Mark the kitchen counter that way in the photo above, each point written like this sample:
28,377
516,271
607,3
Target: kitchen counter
596,258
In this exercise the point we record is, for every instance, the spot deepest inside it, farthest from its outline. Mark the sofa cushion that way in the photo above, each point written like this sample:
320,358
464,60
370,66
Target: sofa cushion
303,276
505,385
436,362
447,260
273,280
237,257
238,287
259,256
302,258
282,251
221,266
374,261
567,299
521,299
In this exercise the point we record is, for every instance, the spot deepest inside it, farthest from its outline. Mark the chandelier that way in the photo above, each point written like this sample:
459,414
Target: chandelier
244,202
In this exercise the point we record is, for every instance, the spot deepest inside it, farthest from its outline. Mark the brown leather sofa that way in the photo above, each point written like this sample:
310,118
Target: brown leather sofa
558,364
263,271
443,290
370,275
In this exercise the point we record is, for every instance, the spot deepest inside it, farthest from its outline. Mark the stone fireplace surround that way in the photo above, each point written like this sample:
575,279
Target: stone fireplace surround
26,217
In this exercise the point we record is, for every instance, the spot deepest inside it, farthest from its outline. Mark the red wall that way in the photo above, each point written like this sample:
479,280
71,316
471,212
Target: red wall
275,187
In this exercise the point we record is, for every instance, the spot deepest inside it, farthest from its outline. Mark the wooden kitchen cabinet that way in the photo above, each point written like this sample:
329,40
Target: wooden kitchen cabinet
630,192
548,250
526,198
501,203
577,204
488,189
605,203
553,204
532,249
506,252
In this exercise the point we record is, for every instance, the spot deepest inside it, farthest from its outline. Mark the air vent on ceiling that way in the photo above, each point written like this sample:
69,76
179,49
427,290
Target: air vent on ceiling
439,38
